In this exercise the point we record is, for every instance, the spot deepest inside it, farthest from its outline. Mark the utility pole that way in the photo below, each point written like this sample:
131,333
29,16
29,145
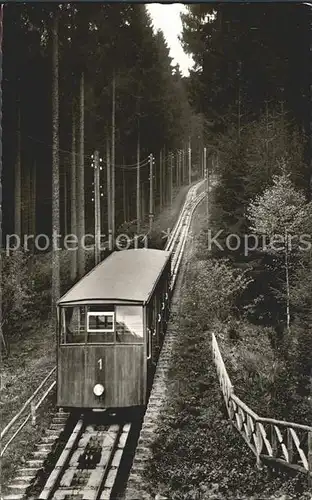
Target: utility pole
207,180
138,210
113,159
201,164
203,167
109,194
97,208
73,200
181,168
142,204
151,161
55,293
80,181
189,163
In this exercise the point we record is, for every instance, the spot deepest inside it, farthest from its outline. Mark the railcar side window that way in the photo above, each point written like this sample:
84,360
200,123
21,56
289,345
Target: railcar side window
129,324
73,325
100,326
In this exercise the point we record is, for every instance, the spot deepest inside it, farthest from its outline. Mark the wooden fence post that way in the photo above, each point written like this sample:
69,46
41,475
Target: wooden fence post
290,446
274,441
258,446
33,413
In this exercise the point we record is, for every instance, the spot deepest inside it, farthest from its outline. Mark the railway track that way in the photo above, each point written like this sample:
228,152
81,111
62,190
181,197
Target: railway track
88,466
89,463
177,240
137,488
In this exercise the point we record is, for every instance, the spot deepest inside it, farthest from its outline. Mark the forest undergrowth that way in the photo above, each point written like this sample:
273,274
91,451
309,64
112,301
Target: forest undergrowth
197,454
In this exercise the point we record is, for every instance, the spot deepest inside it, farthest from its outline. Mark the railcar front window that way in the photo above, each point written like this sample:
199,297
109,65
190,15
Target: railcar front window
101,327
129,324
73,325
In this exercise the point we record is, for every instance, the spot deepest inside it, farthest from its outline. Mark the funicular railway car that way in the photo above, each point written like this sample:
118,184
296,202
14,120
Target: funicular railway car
110,331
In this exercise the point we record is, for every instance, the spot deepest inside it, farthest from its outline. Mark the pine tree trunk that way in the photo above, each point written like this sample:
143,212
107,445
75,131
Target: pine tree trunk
128,207
33,190
17,193
2,340
287,283
113,158
138,182
80,186
26,202
143,205
17,190
109,194
55,167
73,203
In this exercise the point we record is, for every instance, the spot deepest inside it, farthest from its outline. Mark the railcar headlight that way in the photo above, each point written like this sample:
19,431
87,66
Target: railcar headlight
98,389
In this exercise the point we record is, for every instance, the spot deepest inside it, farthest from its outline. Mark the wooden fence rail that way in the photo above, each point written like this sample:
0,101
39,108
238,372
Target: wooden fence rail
274,441
27,412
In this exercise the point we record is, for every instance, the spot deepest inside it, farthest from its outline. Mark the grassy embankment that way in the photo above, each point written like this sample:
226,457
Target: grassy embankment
197,454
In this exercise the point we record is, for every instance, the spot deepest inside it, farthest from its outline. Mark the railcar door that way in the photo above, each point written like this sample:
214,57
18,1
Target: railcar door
115,358
71,357
130,370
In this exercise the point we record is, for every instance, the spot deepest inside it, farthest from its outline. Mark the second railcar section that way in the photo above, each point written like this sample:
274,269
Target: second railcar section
111,326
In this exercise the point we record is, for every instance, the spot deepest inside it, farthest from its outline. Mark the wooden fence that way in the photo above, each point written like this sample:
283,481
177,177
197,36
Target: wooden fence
274,441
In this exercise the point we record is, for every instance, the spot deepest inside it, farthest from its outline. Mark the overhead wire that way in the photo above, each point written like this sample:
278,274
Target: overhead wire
60,150
143,162
126,167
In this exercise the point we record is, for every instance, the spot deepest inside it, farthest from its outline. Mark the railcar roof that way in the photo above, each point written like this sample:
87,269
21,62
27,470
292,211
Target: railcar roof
128,275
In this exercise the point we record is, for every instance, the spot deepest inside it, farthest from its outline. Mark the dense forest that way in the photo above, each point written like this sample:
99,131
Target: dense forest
111,68
84,77
250,286
81,78
252,82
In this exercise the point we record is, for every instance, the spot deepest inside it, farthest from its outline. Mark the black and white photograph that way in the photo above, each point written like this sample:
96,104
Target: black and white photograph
156,250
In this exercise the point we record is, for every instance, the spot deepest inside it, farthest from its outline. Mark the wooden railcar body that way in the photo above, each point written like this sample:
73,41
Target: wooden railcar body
111,328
